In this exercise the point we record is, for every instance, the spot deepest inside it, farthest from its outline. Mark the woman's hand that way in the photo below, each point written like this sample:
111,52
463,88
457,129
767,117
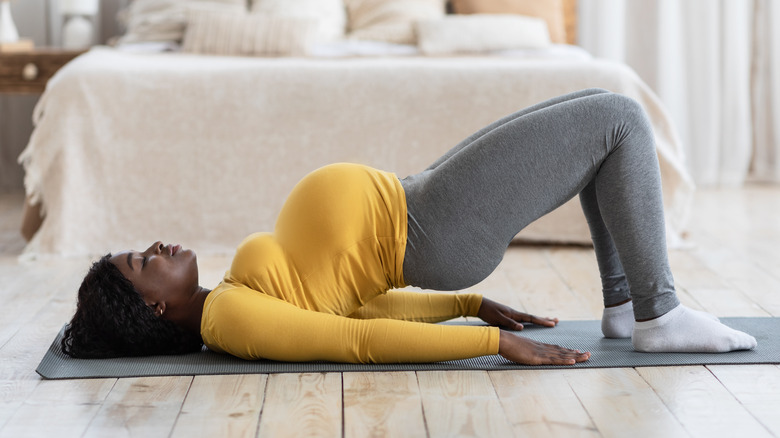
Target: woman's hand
508,318
526,351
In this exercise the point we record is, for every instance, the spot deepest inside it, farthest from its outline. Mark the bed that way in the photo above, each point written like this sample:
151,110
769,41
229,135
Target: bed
132,146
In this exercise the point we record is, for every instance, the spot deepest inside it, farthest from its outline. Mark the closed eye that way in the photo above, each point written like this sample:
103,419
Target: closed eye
143,262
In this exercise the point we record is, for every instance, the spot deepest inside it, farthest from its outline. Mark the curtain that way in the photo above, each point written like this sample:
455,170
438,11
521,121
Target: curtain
765,165
715,64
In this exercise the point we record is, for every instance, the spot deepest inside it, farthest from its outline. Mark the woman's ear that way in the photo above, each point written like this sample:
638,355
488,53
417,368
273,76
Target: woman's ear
159,309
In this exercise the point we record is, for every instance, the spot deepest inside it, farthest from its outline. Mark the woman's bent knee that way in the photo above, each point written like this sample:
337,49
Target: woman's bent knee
628,110
625,119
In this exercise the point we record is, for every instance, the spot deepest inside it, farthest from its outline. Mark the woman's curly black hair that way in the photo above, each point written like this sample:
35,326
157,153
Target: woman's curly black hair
112,320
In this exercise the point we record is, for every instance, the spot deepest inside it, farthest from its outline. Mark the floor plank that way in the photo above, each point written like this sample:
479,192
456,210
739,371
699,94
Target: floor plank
578,269
498,287
302,405
62,421
30,325
699,401
461,403
13,393
539,287
620,402
142,407
382,404
710,291
222,406
67,407
683,265
21,355
757,387
542,404
758,286
22,300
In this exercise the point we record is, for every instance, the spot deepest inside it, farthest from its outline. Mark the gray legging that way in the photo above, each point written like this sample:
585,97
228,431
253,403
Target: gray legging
467,206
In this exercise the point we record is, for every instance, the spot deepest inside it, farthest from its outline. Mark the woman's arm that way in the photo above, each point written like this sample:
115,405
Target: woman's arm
252,325
427,307
419,306
437,307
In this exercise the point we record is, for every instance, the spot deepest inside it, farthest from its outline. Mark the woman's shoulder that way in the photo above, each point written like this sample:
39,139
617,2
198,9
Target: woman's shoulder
224,304
227,292
224,299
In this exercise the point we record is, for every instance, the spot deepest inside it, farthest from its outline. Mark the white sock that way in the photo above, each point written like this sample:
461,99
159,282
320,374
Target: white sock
684,330
708,315
618,322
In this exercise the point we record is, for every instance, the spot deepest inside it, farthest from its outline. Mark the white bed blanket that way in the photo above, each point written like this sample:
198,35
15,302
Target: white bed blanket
130,148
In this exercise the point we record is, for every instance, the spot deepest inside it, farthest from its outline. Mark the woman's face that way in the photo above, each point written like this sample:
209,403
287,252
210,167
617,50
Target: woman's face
164,275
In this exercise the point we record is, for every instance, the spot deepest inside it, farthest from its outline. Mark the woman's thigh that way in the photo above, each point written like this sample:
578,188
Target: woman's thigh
541,105
464,212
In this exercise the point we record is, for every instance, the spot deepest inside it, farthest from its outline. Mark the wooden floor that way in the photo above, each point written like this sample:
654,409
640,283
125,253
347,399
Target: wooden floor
733,270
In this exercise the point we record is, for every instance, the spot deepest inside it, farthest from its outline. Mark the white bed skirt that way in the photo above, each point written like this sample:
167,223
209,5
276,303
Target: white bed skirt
131,148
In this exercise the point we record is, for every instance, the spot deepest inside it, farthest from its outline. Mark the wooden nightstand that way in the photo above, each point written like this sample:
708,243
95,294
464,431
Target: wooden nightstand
28,72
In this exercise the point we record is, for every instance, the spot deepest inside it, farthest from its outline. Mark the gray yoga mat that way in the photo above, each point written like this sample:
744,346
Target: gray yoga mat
582,335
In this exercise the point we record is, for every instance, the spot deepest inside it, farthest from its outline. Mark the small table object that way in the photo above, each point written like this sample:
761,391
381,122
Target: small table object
28,72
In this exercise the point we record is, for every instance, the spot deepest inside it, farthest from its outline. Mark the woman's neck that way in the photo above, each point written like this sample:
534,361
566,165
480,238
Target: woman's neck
191,318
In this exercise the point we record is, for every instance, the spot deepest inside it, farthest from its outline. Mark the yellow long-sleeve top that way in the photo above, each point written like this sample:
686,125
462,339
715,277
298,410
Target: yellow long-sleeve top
317,288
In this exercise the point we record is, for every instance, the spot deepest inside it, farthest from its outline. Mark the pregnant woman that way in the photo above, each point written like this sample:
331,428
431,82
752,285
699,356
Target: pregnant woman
320,287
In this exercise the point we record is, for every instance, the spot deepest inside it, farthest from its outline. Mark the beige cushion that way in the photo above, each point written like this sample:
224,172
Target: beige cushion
247,35
481,33
390,21
550,11
164,20
330,14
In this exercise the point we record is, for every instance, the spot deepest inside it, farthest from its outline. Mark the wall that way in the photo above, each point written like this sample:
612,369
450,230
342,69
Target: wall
34,20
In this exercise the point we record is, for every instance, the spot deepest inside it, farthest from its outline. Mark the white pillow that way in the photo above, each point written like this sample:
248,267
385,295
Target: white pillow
390,21
330,14
481,33
164,20
247,35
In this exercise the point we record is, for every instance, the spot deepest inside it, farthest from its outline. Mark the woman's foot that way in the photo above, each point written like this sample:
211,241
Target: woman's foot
684,330
617,322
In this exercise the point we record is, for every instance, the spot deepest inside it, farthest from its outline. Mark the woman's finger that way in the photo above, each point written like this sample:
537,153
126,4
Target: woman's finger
578,356
567,355
526,317
511,324
547,322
